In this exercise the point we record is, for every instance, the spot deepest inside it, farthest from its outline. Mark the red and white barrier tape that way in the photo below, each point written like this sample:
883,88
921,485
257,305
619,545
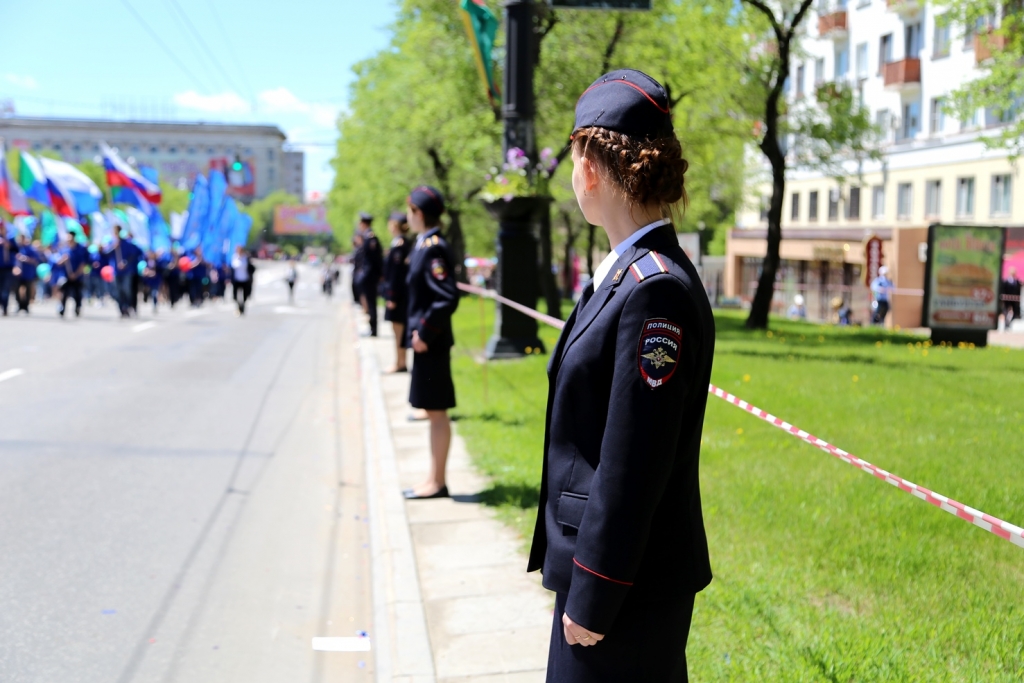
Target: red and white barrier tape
1005,530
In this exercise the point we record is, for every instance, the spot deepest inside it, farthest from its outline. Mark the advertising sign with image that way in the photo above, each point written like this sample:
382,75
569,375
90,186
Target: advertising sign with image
962,281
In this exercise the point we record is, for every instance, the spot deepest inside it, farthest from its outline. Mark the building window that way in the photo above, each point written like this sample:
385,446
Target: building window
933,199
884,51
210,150
819,71
172,150
912,40
800,81
911,124
794,207
965,197
938,116
941,42
853,205
812,205
833,204
191,150
904,201
842,64
270,152
1002,193
765,206
153,150
862,60
878,201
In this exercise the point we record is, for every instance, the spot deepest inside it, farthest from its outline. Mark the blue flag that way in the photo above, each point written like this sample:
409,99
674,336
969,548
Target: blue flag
240,232
212,240
198,213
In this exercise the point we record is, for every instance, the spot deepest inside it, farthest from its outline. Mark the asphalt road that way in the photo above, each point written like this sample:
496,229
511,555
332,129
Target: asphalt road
181,495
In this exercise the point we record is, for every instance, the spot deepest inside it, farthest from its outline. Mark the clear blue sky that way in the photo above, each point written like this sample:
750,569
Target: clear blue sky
286,63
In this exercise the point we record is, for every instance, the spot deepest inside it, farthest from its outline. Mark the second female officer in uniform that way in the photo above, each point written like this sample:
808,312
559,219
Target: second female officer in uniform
620,536
433,298
396,290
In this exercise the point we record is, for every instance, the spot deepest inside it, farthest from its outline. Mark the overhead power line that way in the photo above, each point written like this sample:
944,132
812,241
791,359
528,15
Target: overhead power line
156,38
231,51
206,48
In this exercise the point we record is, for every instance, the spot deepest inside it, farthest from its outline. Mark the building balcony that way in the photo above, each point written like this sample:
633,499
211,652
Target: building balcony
903,7
903,75
987,43
833,25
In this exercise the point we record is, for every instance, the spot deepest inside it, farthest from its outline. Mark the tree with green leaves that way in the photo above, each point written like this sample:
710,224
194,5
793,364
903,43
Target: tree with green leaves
826,134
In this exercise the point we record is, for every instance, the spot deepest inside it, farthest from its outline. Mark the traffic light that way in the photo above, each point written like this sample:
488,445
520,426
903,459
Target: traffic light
237,166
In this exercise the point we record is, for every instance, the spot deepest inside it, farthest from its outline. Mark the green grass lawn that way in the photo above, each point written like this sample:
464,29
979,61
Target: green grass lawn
822,572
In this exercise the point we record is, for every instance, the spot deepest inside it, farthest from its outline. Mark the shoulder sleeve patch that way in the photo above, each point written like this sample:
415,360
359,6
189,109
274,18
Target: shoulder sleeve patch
438,269
658,352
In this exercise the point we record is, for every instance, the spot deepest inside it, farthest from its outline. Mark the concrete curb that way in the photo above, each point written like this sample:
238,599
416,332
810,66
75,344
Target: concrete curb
401,641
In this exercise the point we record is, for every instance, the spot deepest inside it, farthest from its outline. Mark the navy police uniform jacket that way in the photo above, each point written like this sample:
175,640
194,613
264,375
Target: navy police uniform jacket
370,262
433,296
620,512
396,269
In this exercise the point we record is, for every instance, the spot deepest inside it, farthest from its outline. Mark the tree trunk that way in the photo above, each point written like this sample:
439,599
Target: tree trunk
761,306
458,244
570,241
548,286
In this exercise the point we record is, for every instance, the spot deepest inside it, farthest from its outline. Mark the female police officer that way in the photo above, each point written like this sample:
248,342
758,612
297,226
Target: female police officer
396,290
433,298
620,536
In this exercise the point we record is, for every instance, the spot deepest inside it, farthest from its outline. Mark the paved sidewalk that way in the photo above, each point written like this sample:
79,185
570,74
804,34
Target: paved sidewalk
487,620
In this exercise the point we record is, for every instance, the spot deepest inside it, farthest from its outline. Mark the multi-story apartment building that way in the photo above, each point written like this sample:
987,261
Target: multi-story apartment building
903,63
253,155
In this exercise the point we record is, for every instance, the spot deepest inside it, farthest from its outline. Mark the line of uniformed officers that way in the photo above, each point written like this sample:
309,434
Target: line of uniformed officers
417,279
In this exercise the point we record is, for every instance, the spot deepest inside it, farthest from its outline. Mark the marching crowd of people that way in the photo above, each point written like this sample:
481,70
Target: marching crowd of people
118,269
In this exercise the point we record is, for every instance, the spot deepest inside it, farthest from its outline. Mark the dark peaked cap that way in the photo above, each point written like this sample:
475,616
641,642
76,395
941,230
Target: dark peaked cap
365,217
427,199
626,101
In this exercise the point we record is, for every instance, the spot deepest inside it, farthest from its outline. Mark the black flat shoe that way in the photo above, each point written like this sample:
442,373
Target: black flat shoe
410,494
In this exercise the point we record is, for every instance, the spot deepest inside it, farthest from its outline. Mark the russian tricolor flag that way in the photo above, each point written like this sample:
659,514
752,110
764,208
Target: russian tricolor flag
120,174
72,193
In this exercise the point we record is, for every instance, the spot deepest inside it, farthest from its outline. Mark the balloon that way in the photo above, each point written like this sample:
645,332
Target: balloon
43,270
107,273
142,267
184,263
94,249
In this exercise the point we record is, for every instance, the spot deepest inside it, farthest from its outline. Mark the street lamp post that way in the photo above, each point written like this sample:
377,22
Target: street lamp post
515,334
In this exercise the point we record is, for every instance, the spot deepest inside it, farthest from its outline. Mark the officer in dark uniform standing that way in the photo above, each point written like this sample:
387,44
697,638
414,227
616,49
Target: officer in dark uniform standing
620,536
371,264
8,259
433,298
396,290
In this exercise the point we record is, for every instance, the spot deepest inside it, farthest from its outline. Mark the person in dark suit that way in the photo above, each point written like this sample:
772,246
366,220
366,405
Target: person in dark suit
1011,288
369,269
620,535
8,259
433,298
396,290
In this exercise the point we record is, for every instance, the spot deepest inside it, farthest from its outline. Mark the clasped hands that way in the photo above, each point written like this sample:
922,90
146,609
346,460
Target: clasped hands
577,635
418,345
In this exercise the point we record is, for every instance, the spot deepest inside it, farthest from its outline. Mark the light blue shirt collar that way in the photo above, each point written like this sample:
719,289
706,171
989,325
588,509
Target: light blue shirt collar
606,265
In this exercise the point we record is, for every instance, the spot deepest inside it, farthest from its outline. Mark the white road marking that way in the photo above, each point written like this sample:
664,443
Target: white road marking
11,374
290,310
197,312
142,327
351,644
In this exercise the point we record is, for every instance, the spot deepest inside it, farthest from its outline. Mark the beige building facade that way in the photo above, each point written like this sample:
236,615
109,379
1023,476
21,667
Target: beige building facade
903,63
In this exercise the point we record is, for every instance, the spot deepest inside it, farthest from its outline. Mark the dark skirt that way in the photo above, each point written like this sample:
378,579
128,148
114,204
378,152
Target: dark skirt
398,314
431,386
647,643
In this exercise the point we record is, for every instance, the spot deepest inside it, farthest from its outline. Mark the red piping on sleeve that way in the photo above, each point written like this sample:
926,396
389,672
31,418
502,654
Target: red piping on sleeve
601,576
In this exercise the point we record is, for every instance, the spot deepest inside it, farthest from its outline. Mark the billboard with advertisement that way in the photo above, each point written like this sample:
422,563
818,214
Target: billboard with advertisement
303,219
962,277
